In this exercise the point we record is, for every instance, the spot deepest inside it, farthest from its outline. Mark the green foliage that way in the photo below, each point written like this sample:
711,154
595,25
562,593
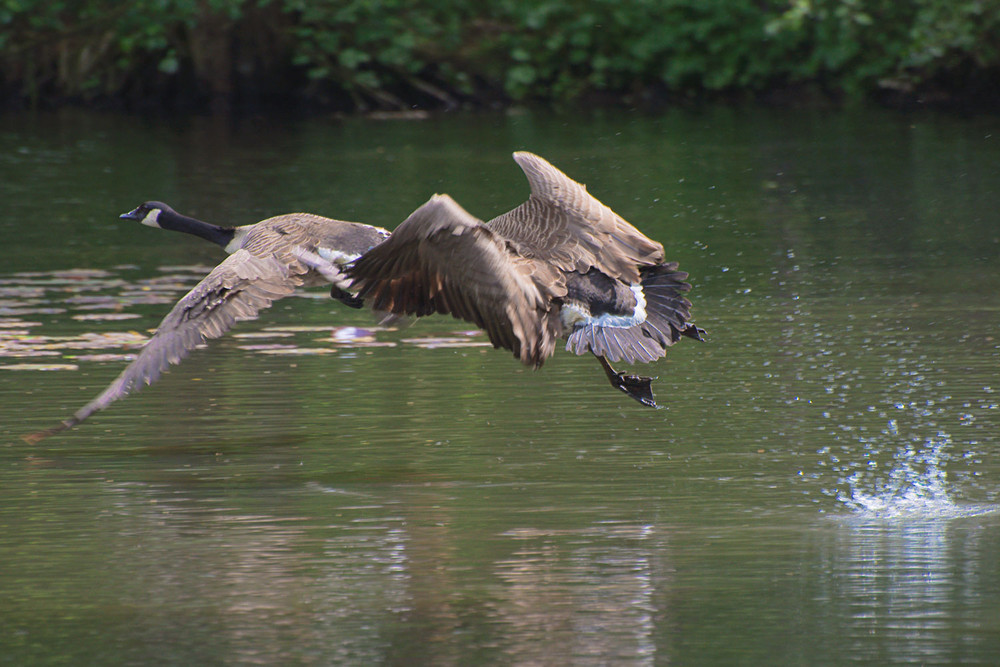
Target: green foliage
371,48
861,45
945,35
395,53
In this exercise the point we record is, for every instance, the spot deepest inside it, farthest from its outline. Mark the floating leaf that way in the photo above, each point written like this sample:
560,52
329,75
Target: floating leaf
40,367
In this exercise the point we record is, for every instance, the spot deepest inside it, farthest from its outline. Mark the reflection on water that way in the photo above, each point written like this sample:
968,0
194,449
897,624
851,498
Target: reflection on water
899,590
903,567
361,575
589,598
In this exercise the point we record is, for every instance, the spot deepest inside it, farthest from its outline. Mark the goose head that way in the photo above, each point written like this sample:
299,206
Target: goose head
148,213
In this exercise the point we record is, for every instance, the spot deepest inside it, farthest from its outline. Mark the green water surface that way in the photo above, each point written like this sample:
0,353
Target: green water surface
821,488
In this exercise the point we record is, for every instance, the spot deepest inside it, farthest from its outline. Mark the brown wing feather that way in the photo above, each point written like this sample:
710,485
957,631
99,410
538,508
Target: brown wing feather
442,259
564,224
238,288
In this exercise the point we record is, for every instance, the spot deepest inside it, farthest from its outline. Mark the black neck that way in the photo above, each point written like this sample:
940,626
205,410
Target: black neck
181,223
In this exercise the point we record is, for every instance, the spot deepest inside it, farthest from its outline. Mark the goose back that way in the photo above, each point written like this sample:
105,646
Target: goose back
282,235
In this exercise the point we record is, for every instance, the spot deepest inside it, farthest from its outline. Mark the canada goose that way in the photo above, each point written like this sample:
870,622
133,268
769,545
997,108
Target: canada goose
264,264
560,264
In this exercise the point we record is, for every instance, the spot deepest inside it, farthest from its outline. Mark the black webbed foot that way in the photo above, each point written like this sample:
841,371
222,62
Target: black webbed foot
346,297
637,387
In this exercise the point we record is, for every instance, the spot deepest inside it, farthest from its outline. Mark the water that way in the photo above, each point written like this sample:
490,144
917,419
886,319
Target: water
312,489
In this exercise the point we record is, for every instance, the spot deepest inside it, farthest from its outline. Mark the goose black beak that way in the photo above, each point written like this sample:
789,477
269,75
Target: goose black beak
131,215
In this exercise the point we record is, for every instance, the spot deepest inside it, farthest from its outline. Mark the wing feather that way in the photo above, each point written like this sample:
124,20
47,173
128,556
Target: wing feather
442,259
238,288
564,224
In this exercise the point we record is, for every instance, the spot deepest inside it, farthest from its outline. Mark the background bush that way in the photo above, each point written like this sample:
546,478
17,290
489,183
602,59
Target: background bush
395,54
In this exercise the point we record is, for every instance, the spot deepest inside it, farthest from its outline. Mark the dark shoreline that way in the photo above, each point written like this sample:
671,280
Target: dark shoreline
978,100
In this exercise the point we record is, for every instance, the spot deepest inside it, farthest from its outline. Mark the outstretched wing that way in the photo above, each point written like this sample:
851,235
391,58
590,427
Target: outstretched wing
442,259
564,224
238,288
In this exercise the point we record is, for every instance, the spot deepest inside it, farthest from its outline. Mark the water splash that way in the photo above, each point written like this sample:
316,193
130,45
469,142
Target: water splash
915,487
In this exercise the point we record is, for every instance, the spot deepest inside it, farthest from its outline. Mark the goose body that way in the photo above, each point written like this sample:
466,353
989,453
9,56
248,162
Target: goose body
560,265
265,263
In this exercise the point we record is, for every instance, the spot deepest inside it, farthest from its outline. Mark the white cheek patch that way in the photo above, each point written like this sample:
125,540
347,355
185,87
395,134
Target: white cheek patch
152,218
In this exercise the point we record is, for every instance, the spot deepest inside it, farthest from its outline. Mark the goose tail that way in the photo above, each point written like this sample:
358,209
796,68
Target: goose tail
663,318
